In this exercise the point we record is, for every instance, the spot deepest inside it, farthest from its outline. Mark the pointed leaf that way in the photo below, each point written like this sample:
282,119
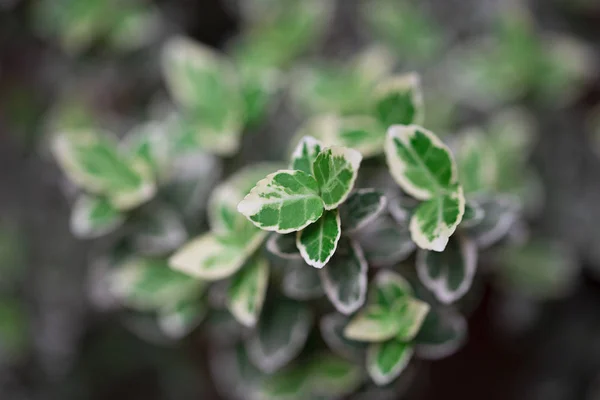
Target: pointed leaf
344,278
206,86
410,314
387,288
93,217
398,101
335,169
421,164
284,246
211,257
332,331
387,360
361,207
280,335
317,242
436,220
90,159
247,291
449,274
149,284
285,201
373,324
305,154
300,282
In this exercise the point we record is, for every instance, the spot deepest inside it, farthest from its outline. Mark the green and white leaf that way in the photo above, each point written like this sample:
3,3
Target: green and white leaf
387,288
436,220
476,161
361,208
500,212
373,324
247,291
301,282
385,242
223,216
410,313
344,278
93,217
335,170
387,360
280,334
91,160
317,242
284,201
305,154
211,257
398,100
443,332
149,284
449,274
332,376
283,246
150,144
419,162
179,320
206,86
332,331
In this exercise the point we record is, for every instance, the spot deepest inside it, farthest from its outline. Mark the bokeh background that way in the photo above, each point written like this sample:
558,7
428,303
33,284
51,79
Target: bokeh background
56,343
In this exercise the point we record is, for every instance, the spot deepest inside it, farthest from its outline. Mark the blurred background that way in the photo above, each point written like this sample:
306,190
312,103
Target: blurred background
99,59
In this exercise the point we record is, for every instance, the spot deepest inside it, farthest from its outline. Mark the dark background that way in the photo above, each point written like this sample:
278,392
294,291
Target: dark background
516,350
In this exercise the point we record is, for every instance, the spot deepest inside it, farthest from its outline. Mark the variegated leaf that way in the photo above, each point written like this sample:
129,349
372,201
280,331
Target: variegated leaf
335,170
305,154
317,242
247,291
361,208
387,360
93,217
398,101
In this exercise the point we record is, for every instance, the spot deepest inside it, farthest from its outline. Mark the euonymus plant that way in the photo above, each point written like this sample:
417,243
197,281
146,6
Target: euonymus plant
323,275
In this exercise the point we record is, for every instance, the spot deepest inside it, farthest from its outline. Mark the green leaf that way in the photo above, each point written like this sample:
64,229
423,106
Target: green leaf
373,324
93,217
15,330
285,201
333,376
211,257
387,288
301,282
421,164
148,143
410,314
280,334
476,161
179,320
385,242
449,274
499,214
149,284
223,216
305,154
398,101
247,291
90,159
205,85
436,220
332,331
387,360
344,278
361,208
317,242
443,332
284,246
335,170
